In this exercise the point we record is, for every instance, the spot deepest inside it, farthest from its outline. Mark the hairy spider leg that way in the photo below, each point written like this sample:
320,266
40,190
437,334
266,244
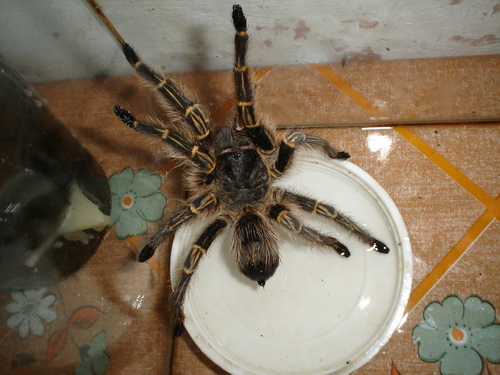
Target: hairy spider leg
197,206
312,206
283,217
106,21
247,122
199,248
194,114
197,154
290,143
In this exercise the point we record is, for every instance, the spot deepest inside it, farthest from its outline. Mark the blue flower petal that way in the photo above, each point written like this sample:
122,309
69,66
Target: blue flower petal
432,343
439,337
100,364
15,320
461,360
116,209
486,342
478,313
84,368
135,201
120,183
36,325
130,224
439,315
151,208
24,328
100,360
146,183
98,344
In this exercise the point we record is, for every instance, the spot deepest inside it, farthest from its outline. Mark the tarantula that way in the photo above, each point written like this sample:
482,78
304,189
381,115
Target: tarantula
231,170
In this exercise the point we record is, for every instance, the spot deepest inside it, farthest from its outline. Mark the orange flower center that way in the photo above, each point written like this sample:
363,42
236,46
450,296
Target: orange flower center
457,334
127,201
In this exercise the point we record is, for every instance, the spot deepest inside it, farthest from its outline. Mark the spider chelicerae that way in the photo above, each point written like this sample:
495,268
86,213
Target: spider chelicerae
230,174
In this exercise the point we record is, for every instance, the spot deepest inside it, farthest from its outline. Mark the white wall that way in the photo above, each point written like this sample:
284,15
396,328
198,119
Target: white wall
60,39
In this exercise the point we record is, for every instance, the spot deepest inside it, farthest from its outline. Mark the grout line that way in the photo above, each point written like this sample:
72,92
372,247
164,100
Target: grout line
447,262
348,90
450,169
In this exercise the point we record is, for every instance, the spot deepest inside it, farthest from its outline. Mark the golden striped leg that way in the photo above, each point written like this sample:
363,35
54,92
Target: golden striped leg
196,207
194,152
193,113
312,206
283,217
246,120
295,139
199,248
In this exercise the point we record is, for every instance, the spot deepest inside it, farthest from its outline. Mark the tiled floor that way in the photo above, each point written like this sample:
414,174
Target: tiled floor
444,178
449,201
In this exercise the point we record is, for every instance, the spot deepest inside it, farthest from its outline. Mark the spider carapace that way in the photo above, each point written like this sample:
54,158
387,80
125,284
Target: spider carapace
230,172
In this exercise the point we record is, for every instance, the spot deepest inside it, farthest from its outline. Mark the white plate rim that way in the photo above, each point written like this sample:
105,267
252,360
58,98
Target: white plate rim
360,177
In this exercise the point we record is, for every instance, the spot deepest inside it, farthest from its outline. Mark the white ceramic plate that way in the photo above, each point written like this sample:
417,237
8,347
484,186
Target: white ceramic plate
320,313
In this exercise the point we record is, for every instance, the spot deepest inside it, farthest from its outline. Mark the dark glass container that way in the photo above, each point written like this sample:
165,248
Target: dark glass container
54,197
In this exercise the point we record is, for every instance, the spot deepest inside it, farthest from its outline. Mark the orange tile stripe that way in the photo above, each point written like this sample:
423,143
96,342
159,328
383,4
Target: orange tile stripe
492,212
134,242
447,167
262,72
222,111
450,258
394,369
348,90
156,266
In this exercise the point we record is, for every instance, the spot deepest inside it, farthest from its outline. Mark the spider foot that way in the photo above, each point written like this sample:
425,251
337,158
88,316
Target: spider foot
124,116
178,317
380,247
343,155
343,250
147,252
239,20
178,328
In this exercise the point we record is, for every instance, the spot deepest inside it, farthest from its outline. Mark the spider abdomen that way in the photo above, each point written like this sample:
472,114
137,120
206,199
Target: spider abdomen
243,179
254,244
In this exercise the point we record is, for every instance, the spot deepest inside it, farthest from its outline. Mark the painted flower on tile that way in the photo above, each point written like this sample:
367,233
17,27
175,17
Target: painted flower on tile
93,357
135,201
29,309
458,334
